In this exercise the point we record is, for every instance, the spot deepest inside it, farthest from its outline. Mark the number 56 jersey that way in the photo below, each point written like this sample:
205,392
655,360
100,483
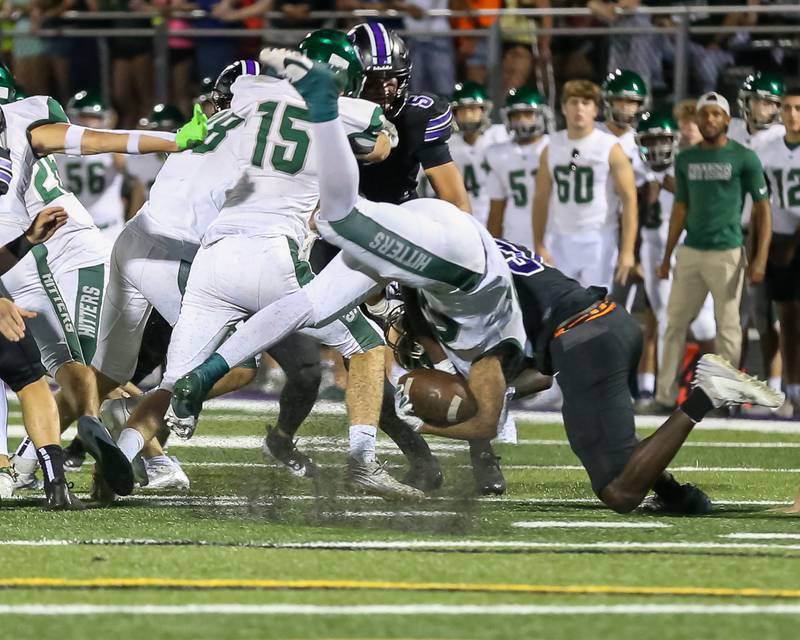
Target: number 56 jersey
278,184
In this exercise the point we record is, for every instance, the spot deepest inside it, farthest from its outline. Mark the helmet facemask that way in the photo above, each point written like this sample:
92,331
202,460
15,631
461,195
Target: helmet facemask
658,148
525,130
408,353
471,125
626,115
760,110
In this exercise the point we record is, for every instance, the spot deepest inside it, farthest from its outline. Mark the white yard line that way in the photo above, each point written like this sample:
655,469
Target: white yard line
431,609
761,536
588,524
403,545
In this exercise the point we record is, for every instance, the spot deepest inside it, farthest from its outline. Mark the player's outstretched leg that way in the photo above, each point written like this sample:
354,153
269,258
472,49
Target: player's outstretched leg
717,383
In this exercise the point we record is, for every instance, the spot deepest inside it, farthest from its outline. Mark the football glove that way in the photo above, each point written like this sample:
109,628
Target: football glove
193,132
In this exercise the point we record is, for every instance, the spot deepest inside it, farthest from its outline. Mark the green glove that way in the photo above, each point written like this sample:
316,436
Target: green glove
193,132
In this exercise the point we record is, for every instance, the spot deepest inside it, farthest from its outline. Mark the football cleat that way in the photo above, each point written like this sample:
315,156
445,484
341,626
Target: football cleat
27,481
725,385
691,502
114,413
60,498
165,472
424,474
285,63
7,480
489,478
74,455
372,478
284,450
114,466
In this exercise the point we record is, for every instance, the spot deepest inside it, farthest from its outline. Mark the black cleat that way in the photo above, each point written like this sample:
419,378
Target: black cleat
489,478
74,455
691,501
60,498
114,466
283,449
424,474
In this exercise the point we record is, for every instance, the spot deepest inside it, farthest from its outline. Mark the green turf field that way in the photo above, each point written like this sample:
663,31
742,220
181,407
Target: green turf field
251,552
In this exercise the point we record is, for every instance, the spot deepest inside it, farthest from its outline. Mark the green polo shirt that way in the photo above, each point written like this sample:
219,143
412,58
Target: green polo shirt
712,184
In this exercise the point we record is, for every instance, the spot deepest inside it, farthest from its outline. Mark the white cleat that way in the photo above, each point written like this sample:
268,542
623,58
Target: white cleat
114,413
286,63
725,385
27,481
372,478
182,427
165,472
7,478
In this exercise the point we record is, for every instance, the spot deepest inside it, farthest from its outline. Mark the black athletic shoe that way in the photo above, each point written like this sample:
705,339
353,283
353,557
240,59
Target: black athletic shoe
60,498
424,474
283,449
114,466
489,478
692,501
74,455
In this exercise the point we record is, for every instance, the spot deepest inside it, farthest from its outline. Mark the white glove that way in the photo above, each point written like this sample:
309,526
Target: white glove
405,409
391,132
446,366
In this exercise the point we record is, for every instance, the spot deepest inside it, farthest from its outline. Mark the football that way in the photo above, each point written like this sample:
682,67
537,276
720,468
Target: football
441,399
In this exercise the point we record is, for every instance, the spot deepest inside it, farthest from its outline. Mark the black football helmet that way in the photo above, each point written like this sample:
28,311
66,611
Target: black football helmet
408,352
221,95
387,66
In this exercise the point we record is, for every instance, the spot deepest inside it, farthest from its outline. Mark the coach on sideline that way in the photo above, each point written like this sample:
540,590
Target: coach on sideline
711,179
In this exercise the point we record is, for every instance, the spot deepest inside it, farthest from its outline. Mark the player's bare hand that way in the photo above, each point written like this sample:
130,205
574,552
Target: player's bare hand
45,224
625,264
12,320
545,256
663,270
756,271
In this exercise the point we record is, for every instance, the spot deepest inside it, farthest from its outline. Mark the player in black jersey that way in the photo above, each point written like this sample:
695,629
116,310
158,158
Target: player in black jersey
594,347
424,123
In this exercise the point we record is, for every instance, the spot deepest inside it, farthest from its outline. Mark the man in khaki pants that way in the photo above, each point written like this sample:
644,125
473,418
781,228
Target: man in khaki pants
711,179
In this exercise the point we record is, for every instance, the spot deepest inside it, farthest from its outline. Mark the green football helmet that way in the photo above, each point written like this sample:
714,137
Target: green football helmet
8,88
761,85
88,103
332,48
658,137
470,94
527,100
163,117
622,84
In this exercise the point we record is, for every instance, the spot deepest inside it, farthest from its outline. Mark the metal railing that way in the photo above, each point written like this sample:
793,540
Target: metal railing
680,30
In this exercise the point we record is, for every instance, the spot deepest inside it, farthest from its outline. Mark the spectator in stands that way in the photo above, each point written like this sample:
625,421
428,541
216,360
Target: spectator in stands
522,49
296,13
131,62
373,5
47,15
433,56
212,54
28,52
711,179
181,54
641,53
473,52
708,54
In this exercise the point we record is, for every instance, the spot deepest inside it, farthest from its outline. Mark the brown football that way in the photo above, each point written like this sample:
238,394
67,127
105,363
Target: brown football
441,399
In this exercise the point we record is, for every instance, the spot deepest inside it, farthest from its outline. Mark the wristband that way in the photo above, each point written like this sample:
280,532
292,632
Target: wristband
72,140
18,247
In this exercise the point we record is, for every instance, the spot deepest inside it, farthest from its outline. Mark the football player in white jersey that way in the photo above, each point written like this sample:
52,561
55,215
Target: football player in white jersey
102,183
659,138
33,128
759,105
513,165
781,161
578,230
475,133
265,213
625,100
464,287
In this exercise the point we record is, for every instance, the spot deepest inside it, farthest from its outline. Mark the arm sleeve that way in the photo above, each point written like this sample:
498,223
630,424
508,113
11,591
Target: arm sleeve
753,181
366,131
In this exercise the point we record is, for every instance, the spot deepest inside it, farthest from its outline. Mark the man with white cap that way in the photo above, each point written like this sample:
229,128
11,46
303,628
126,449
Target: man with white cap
711,179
